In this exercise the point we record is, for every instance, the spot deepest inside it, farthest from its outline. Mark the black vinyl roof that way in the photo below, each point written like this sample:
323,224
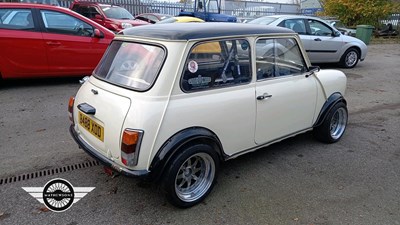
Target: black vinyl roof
187,31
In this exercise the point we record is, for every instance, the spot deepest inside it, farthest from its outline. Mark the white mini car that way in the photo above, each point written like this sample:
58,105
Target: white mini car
169,102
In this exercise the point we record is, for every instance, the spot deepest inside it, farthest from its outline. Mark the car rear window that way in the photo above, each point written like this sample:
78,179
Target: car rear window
116,12
132,65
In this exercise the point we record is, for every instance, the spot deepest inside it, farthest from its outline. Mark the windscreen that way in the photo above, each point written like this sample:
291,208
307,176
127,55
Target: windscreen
263,20
132,65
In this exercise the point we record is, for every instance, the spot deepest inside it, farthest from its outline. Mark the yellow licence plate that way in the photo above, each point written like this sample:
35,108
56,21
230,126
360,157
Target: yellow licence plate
94,128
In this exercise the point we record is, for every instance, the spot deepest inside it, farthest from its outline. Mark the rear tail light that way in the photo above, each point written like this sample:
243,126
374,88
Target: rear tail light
71,108
130,146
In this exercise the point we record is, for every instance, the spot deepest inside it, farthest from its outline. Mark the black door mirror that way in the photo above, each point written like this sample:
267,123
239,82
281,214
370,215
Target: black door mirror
336,34
97,33
312,70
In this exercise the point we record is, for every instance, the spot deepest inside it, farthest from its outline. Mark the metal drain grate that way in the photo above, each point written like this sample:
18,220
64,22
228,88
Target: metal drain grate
48,172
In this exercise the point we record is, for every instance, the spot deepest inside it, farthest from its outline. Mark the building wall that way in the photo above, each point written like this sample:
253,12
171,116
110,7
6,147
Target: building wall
308,4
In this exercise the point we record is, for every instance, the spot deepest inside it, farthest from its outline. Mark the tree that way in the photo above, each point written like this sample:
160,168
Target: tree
355,12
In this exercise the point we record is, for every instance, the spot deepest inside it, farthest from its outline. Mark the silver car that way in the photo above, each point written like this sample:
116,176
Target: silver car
323,43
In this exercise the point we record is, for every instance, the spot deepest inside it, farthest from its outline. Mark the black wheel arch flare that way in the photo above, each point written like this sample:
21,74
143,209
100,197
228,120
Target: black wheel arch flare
177,142
329,103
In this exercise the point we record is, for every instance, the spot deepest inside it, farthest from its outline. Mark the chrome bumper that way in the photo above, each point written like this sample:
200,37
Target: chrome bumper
105,161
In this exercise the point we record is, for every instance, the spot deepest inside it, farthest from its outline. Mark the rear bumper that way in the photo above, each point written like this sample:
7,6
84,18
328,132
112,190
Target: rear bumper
105,161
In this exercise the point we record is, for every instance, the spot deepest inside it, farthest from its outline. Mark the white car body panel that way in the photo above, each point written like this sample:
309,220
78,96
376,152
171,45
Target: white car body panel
111,110
276,118
227,117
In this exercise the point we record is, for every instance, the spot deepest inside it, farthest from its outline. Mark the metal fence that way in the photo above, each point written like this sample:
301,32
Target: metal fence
244,9
241,9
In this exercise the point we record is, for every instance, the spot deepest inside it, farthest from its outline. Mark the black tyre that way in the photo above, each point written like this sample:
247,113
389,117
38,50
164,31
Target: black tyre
191,175
350,58
334,125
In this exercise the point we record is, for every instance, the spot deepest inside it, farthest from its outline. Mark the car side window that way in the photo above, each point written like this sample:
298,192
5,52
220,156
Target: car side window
93,12
297,25
319,29
61,23
278,58
217,64
16,19
83,10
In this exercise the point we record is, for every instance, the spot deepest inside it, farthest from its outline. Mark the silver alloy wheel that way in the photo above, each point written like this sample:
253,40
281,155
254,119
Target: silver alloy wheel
195,177
351,58
338,123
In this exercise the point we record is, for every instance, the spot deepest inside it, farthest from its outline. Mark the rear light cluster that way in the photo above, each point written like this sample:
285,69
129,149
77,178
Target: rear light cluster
71,108
130,146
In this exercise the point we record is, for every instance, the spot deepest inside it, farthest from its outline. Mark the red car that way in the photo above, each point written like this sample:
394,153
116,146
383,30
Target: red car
113,17
40,40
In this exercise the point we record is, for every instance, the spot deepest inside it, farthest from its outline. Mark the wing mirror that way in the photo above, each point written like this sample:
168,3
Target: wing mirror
98,34
312,70
336,33
84,79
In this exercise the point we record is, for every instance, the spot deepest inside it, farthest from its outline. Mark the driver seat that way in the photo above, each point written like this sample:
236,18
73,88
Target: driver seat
298,29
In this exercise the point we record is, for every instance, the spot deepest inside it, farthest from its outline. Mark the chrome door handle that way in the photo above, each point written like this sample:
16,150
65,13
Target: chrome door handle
264,96
317,39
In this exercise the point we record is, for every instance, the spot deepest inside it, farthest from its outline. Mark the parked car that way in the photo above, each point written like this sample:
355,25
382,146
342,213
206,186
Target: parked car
168,106
152,17
113,17
182,19
323,43
342,28
40,40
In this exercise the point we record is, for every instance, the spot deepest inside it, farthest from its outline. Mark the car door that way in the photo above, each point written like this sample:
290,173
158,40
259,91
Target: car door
300,26
323,43
218,94
22,51
285,97
71,46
